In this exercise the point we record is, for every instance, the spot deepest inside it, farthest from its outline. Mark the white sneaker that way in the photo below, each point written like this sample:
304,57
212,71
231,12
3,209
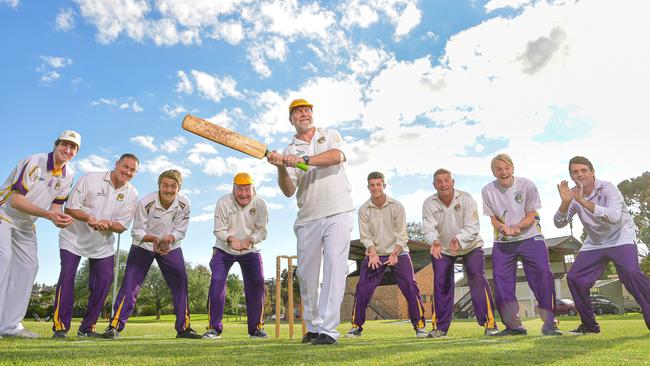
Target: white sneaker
421,333
24,333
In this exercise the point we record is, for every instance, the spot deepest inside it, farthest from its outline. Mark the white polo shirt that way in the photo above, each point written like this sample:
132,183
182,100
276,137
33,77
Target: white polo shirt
321,191
95,194
383,227
510,205
42,185
459,220
241,222
609,226
153,219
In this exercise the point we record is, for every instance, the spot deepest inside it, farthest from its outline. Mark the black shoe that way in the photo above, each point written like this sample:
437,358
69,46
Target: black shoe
259,334
86,333
323,339
583,329
111,333
188,333
552,332
309,336
60,334
511,332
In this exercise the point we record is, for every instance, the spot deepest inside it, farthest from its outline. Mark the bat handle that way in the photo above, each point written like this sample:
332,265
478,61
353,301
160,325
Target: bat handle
302,166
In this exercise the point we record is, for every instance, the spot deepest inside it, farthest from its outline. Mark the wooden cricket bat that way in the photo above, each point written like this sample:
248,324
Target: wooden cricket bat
228,138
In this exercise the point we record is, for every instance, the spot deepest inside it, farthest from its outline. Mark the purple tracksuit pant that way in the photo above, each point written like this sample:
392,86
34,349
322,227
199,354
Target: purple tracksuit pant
253,273
534,258
138,263
370,278
443,289
99,283
589,266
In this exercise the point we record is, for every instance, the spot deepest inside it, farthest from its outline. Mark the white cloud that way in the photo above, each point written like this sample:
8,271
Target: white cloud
11,3
174,145
268,191
92,163
407,20
161,163
104,101
144,141
173,112
274,206
196,155
207,217
214,88
114,17
56,62
493,5
50,77
260,170
184,84
64,20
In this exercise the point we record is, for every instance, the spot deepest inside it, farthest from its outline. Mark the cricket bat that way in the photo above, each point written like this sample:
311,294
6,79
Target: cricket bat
229,138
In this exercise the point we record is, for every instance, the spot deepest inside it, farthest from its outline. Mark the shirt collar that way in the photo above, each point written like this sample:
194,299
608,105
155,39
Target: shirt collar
389,201
50,166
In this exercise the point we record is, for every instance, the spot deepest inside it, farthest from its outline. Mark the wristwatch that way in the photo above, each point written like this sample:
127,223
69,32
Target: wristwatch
306,159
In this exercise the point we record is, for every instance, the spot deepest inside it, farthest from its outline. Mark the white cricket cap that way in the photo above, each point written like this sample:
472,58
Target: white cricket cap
72,136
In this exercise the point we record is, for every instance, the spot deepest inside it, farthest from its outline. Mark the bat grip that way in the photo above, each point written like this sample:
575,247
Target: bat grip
302,166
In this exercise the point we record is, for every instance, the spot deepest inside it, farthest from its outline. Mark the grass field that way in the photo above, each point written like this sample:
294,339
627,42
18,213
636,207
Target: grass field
624,340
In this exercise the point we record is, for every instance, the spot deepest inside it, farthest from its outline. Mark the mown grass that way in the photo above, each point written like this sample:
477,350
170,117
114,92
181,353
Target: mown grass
624,341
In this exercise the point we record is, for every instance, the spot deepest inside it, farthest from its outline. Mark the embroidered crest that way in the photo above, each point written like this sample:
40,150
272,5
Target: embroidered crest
57,186
457,207
252,211
519,196
120,197
321,140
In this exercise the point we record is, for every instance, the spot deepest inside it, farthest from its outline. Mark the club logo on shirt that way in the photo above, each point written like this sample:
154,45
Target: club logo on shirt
457,207
120,197
57,186
252,211
321,140
519,196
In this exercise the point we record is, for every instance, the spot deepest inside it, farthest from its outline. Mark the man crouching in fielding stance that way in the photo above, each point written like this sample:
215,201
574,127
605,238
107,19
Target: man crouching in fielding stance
611,236
240,220
101,203
324,221
159,225
37,187
382,230
512,204
450,223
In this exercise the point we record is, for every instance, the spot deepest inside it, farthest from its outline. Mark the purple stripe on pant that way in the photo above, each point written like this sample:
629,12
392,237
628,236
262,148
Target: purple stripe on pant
370,278
99,283
534,258
589,266
253,274
138,263
443,289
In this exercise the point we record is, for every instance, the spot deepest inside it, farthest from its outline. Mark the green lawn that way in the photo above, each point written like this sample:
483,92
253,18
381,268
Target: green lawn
624,341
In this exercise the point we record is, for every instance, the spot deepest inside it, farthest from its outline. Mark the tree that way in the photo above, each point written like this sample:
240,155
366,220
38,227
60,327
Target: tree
81,285
198,283
154,291
234,294
636,193
41,302
645,265
414,232
284,286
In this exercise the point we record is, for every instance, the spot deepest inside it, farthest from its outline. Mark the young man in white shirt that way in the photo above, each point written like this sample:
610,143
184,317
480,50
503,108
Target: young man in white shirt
159,225
611,236
37,187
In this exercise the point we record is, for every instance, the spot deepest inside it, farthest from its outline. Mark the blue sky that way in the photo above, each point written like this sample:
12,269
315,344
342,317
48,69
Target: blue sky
412,86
